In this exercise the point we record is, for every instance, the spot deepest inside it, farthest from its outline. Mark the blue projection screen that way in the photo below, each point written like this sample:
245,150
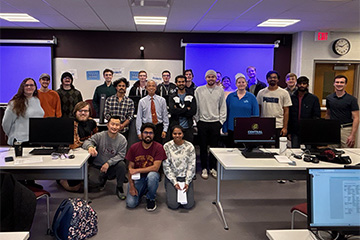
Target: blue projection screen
19,62
229,59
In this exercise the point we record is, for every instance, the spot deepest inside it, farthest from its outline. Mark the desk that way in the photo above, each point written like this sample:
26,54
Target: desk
14,235
232,165
49,169
294,234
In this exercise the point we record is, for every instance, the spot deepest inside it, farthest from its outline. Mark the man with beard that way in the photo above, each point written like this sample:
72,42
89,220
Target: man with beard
210,115
120,105
108,149
275,102
254,84
304,106
49,99
152,108
108,89
182,107
145,159
343,107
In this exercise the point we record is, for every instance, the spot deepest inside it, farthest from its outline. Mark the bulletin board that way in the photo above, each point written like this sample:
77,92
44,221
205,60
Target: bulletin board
88,75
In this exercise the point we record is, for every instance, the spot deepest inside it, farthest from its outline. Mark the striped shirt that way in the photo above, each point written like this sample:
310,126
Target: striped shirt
124,109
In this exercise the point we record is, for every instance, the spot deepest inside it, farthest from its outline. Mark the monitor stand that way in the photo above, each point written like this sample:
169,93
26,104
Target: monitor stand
255,152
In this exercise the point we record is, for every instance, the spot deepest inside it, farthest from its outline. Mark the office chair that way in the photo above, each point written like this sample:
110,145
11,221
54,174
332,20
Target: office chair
300,209
40,193
89,101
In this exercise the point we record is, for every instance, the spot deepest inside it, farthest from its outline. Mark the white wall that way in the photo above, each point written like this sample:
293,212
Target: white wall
306,50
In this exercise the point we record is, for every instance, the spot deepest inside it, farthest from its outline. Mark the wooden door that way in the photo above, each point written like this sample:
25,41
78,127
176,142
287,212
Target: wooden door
324,81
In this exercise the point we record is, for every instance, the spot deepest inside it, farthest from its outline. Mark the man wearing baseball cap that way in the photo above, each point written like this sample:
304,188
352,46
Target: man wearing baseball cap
49,99
69,96
210,115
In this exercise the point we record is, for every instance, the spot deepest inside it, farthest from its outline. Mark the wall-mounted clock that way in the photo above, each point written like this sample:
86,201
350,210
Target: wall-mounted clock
341,46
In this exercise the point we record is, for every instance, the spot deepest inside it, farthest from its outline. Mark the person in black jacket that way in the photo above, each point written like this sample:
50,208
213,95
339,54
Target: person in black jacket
182,107
166,88
307,104
254,84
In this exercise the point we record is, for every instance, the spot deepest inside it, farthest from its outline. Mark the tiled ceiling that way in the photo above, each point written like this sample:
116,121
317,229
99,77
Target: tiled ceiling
223,16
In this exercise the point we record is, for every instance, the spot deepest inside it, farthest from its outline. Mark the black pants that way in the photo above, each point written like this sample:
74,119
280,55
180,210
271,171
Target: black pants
97,178
209,135
158,132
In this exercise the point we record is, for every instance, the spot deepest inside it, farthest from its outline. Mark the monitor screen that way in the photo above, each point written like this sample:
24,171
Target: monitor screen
333,198
254,130
51,131
319,132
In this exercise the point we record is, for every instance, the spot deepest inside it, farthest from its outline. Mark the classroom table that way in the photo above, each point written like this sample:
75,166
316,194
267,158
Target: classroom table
293,234
48,169
232,165
14,235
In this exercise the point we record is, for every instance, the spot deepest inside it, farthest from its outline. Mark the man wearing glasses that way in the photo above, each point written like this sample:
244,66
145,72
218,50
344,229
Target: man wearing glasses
49,99
166,88
145,159
275,102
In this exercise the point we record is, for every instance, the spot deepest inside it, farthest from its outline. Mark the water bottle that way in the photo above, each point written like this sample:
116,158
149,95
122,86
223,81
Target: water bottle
283,145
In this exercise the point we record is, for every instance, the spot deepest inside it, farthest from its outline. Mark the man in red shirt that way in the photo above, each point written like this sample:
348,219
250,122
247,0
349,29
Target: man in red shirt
145,159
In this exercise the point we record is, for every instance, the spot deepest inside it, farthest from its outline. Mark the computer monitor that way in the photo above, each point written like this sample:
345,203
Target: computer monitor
319,132
51,132
254,131
333,199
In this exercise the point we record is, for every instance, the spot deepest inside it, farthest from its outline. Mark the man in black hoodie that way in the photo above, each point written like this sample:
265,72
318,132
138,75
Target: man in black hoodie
304,103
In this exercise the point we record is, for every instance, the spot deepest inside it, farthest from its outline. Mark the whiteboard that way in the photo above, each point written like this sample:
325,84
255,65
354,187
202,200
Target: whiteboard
85,69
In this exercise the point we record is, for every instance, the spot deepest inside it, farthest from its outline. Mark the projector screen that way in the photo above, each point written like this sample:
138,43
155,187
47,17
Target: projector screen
18,62
229,59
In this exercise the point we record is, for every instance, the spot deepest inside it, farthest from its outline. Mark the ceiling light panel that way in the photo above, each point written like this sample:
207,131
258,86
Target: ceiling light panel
17,17
278,22
143,20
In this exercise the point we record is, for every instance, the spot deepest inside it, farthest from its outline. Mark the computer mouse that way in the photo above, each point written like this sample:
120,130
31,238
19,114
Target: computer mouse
307,158
315,160
72,156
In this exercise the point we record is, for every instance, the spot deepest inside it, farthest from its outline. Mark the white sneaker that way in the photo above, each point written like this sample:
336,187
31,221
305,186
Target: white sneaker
204,174
213,173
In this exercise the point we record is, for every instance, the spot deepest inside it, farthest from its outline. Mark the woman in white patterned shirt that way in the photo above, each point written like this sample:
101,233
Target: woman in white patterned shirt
179,167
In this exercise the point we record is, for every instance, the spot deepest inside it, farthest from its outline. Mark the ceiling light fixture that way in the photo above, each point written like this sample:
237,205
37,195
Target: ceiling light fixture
278,22
150,20
17,17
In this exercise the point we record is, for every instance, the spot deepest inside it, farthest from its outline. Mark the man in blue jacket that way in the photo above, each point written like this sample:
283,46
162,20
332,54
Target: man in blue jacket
304,103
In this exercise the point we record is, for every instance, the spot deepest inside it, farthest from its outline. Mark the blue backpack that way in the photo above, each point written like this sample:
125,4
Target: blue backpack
74,219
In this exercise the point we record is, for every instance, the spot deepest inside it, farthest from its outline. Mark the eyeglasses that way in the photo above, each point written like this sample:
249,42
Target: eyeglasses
29,85
166,75
46,79
148,133
83,111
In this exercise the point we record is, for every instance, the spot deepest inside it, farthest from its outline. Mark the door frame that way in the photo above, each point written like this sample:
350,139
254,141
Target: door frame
356,82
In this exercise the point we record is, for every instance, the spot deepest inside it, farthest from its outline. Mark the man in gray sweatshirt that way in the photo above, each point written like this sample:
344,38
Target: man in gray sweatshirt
210,115
108,149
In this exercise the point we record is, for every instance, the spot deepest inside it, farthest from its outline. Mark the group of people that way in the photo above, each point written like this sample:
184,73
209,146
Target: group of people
209,106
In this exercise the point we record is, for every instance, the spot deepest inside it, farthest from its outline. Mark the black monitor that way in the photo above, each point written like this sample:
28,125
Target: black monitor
51,132
333,200
254,131
319,132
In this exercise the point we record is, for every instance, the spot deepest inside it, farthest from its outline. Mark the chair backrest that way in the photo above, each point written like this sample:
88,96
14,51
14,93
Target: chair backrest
89,101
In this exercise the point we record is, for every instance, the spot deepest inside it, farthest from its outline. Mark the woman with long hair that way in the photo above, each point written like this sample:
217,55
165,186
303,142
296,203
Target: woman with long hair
179,167
24,105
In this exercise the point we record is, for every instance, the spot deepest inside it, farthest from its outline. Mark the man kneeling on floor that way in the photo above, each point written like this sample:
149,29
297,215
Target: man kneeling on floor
108,149
145,159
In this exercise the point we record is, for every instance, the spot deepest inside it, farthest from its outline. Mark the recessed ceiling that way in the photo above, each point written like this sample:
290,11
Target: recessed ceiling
222,16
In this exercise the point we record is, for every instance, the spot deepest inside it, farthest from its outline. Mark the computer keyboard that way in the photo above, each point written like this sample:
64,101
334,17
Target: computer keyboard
258,154
48,151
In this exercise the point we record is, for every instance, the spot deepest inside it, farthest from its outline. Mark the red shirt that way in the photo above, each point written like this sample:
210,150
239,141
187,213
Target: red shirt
145,157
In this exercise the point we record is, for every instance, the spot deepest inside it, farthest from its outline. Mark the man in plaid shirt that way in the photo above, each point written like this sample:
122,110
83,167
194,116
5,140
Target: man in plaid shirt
120,105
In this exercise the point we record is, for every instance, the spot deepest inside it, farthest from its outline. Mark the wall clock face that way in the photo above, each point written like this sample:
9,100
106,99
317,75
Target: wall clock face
341,46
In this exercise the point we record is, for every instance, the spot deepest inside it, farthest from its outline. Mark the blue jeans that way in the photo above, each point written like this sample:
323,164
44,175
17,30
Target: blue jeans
148,185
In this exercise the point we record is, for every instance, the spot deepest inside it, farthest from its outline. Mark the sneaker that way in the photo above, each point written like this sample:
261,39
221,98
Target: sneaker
213,173
204,174
150,205
281,181
120,193
102,185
